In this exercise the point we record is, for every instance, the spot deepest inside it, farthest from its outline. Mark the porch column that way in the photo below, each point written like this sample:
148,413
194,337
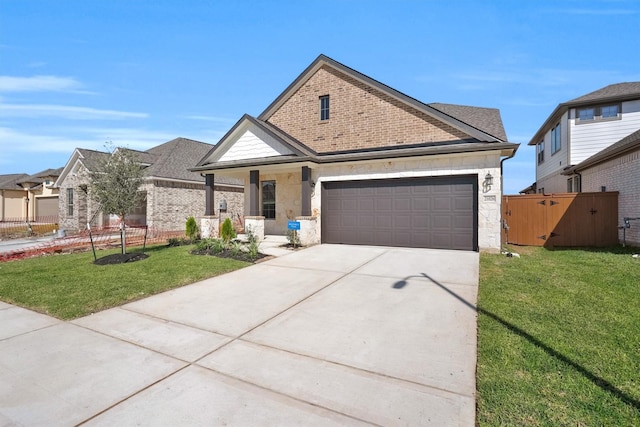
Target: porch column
306,192
209,205
254,193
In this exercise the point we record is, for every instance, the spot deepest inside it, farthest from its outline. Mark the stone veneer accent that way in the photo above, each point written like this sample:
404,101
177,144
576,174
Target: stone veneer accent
256,225
360,117
308,230
209,227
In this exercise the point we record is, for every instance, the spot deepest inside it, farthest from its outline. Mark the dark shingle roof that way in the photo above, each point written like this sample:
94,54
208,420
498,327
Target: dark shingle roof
170,160
92,159
38,178
627,143
485,119
174,158
611,91
10,181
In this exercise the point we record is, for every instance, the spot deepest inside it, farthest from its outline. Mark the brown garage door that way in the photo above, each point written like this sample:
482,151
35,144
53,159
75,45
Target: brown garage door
47,209
435,212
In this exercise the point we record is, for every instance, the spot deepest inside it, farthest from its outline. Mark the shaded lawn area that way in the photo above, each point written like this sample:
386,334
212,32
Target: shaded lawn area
71,286
559,338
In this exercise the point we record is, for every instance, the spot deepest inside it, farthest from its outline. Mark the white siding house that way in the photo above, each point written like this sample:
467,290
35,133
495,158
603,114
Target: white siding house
588,125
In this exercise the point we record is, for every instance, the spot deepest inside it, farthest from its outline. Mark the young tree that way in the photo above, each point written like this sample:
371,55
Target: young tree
114,185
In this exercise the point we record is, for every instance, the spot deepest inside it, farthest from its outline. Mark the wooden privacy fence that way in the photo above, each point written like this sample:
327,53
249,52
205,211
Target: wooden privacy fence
566,219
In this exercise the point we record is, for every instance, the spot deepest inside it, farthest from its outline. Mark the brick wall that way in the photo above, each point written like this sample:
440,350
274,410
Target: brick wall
84,208
360,117
169,204
621,174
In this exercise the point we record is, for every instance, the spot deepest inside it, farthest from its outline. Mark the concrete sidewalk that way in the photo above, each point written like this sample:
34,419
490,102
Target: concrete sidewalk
329,335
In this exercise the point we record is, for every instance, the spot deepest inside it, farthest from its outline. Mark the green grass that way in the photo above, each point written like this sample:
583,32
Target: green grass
559,338
71,286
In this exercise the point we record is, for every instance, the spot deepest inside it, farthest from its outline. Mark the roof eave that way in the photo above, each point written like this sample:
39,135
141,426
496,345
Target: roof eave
505,148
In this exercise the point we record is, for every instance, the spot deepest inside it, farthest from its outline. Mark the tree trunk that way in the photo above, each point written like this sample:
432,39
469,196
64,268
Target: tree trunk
123,235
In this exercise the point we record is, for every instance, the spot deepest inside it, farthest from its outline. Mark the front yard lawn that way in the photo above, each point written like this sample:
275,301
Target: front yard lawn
71,286
559,338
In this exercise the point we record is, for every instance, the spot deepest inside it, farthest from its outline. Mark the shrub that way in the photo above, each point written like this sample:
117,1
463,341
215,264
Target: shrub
253,249
293,237
191,228
227,233
251,236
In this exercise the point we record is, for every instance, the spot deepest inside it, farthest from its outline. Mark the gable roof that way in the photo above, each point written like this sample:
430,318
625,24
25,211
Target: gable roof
170,160
10,181
628,143
246,121
617,92
480,133
483,125
38,178
613,91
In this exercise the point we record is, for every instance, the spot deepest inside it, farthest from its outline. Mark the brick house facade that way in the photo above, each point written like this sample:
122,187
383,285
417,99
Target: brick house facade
354,161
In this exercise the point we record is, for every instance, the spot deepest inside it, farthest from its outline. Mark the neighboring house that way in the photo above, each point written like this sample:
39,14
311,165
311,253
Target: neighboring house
41,195
26,197
357,162
171,193
581,128
617,168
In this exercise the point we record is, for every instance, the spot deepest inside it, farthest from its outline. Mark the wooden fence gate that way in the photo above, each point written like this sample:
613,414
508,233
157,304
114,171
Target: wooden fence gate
566,219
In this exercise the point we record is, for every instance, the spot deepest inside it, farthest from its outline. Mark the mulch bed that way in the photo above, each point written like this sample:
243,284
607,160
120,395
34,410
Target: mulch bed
120,258
242,256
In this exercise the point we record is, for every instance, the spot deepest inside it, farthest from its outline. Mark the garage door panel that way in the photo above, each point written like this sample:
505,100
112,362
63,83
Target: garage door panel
383,204
435,212
47,208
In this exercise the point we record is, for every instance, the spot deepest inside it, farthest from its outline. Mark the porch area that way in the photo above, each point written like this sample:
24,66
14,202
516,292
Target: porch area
273,197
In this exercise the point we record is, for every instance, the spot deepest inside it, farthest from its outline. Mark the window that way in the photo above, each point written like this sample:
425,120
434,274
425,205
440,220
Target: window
570,185
586,113
556,144
269,199
541,152
70,201
324,107
47,182
609,111
590,114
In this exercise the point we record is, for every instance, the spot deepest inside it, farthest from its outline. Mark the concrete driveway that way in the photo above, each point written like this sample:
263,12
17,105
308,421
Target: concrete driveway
329,335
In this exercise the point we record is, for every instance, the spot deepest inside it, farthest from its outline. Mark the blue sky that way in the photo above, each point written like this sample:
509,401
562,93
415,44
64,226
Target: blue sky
140,73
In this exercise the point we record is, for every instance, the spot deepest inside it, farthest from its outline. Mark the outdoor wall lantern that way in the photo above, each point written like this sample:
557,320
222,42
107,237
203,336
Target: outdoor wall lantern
488,180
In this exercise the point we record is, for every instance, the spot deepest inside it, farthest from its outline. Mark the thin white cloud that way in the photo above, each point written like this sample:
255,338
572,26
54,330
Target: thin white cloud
66,112
39,84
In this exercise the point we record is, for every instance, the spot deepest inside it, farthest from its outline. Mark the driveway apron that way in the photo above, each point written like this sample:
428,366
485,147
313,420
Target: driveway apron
329,335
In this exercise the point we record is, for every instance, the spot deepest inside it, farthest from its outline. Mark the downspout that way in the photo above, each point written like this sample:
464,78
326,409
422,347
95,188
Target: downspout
580,175
502,220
